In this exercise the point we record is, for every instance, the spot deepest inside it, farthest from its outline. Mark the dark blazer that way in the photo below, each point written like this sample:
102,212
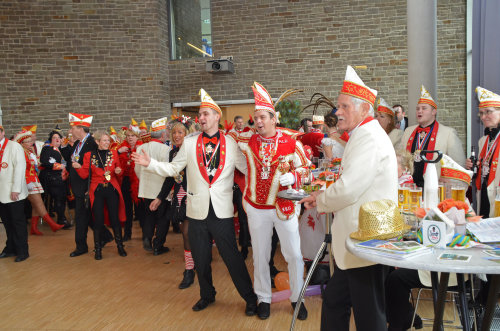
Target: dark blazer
170,182
78,185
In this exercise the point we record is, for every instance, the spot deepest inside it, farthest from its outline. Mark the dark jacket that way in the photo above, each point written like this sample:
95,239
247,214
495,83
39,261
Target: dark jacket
79,185
170,182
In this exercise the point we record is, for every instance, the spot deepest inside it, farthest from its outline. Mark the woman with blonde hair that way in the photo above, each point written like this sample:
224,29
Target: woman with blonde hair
180,128
103,167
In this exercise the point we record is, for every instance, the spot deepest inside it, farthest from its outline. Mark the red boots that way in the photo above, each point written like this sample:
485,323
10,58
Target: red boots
53,225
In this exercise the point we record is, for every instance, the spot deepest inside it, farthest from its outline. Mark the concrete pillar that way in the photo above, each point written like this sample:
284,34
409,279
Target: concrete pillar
422,51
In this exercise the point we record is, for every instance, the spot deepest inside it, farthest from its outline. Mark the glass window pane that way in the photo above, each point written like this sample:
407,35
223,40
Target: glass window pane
190,29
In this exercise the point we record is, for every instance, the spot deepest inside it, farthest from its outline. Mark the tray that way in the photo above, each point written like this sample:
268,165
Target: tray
292,196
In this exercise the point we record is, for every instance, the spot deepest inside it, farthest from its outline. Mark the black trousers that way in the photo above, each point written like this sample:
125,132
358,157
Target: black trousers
222,231
359,288
14,221
58,193
82,223
129,205
155,219
244,238
106,195
398,285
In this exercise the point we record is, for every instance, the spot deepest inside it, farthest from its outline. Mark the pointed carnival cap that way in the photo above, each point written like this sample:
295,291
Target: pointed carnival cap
134,127
143,126
159,124
80,119
262,98
113,134
383,107
318,119
22,135
354,86
207,101
487,98
425,97
451,169
31,128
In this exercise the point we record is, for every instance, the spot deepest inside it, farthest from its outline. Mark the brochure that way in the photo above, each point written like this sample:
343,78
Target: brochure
394,249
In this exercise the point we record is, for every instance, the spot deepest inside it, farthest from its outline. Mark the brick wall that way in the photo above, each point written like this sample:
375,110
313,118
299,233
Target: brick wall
110,58
104,58
308,44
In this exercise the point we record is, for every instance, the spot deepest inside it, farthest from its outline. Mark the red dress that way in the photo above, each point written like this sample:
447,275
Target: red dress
97,177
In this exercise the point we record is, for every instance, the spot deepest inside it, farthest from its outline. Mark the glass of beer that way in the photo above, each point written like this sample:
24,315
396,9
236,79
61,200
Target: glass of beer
415,197
330,179
441,192
403,197
458,193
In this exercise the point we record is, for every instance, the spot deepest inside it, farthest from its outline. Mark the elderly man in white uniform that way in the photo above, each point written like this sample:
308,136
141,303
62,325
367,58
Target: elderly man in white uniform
368,173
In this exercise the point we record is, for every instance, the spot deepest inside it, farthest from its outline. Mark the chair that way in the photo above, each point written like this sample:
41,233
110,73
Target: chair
453,292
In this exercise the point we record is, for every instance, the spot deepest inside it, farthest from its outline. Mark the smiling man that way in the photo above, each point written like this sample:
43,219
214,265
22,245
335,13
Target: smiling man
368,172
265,210
212,159
429,134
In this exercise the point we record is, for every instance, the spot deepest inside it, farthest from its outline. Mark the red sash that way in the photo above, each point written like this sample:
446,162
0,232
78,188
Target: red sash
1,155
494,164
432,141
201,162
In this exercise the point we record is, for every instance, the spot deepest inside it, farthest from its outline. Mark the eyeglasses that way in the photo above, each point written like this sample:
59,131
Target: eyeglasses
485,113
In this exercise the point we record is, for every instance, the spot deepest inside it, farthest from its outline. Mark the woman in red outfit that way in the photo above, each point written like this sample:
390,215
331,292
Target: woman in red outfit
35,189
130,182
104,168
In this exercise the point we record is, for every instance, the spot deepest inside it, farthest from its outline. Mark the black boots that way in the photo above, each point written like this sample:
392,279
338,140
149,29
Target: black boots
188,279
98,251
119,242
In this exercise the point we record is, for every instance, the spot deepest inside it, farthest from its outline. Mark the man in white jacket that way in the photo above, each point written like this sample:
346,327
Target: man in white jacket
211,158
368,172
12,195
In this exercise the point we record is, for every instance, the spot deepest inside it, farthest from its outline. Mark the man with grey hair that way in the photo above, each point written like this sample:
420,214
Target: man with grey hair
150,185
368,172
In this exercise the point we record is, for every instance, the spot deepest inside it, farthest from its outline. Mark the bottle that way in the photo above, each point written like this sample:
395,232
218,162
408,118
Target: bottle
473,159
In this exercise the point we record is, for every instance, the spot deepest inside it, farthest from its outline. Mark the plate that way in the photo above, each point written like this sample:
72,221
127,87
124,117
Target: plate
292,196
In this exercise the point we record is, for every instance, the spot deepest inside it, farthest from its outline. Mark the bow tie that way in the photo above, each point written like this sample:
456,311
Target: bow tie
212,140
491,132
426,130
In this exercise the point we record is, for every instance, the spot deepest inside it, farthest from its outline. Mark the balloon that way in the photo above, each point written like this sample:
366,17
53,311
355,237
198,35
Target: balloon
280,295
313,290
281,281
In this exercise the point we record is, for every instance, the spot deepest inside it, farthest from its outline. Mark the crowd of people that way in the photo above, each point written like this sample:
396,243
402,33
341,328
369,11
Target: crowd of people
193,175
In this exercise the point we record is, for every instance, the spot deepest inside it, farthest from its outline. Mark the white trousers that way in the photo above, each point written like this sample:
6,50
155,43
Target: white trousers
260,224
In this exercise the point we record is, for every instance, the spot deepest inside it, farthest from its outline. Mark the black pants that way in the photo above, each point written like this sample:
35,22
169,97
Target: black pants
106,195
129,205
82,222
58,193
155,219
222,230
14,221
359,288
398,285
244,238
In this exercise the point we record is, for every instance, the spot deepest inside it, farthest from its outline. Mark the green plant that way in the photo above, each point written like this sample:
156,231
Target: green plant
289,113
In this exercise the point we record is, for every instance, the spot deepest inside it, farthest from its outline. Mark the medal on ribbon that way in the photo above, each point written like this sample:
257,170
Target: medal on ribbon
107,175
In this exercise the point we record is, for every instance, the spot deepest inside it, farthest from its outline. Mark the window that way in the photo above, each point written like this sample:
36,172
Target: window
190,29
